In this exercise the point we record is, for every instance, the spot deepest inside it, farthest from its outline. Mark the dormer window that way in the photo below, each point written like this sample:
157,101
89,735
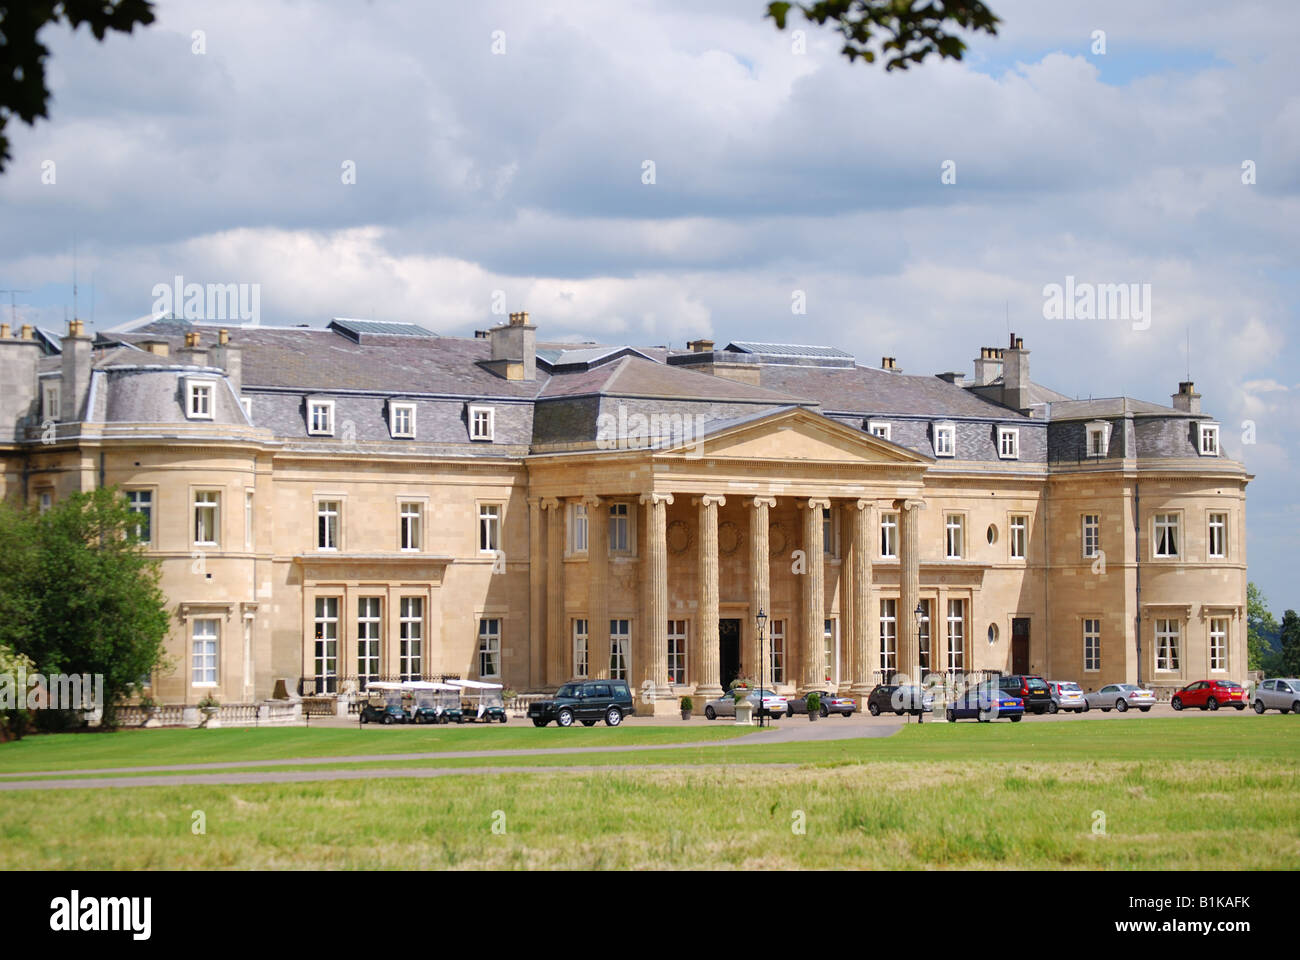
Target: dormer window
481,423
247,404
879,428
200,398
320,418
1098,438
50,397
945,440
401,419
1009,443
1209,434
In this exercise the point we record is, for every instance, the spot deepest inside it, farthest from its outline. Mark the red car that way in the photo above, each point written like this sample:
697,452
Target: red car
1210,695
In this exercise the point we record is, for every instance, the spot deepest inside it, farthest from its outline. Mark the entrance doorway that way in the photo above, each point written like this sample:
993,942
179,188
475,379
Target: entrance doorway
728,651
1020,645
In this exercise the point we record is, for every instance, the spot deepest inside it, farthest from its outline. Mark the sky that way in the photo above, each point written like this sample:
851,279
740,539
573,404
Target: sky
432,162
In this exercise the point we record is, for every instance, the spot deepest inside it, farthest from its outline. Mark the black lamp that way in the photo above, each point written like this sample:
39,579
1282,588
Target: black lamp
762,622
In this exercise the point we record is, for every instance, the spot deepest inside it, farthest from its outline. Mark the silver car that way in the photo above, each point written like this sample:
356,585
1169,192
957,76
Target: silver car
725,705
1066,695
1278,694
1119,696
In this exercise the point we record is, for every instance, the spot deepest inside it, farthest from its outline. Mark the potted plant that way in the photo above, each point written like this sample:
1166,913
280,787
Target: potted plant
687,706
814,705
210,707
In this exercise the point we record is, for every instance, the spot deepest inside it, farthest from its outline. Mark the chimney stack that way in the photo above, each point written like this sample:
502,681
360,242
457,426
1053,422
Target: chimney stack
19,390
160,348
229,358
1187,399
890,364
514,348
988,367
699,346
1015,375
76,372
192,352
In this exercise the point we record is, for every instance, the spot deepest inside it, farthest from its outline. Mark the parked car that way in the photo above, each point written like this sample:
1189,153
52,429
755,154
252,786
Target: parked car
1031,691
1278,694
844,706
1210,695
1066,695
725,705
1120,696
899,699
985,702
585,701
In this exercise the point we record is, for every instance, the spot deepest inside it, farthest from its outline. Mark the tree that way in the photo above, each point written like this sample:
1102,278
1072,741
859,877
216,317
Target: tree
901,30
1261,629
13,719
22,56
1291,644
79,594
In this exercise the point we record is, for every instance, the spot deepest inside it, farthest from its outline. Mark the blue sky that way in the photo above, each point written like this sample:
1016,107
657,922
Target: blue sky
775,171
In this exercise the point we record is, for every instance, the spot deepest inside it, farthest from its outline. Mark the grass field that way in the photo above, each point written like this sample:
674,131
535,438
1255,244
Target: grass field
1177,793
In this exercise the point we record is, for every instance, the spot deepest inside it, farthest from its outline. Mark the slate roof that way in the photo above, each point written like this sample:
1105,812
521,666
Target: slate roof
633,376
786,349
870,392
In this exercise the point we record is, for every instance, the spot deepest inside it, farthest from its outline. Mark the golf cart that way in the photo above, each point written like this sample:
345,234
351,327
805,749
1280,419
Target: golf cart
383,703
433,702
483,701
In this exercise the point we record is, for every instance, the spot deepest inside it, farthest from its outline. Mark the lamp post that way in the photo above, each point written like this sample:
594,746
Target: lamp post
917,614
762,622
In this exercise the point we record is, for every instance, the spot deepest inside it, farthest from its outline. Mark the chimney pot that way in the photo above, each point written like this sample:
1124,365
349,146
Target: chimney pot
223,336
4,330
27,331
191,339
75,328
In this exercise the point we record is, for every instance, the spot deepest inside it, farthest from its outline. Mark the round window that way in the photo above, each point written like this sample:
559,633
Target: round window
992,534
993,633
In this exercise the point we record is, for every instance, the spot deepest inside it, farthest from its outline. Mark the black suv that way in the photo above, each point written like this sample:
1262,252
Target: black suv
586,701
1033,691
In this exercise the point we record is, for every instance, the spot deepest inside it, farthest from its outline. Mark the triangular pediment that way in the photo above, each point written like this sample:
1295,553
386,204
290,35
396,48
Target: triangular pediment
792,435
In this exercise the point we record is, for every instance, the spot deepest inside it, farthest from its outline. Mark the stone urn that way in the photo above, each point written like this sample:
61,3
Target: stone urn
744,712
211,719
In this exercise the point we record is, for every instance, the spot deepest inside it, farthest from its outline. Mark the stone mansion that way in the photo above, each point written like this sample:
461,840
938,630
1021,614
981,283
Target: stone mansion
370,500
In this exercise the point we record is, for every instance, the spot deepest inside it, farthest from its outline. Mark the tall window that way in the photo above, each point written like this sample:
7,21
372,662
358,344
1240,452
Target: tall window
50,398
489,528
829,539
1166,535
1098,439
401,419
410,516
368,621
46,500
1091,645
619,634
248,520
829,665
489,647
1019,538
619,528
580,665
1091,534
140,503
889,535
954,535
205,517
677,651
888,637
923,637
1218,644
320,417
410,626
956,635
327,525
1218,546
326,649
577,528
204,660
945,440
1008,443
778,650
1209,439
481,423
1167,645
199,404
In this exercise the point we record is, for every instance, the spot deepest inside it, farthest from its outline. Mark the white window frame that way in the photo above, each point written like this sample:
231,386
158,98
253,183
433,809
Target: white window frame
410,632
329,524
250,526
777,637
394,411
205,663
327,430
45,498
578,528
247,404
51,399
677,651
956,655
1157,525
889,536
945,439
831,649
410,526
1097,428
1168,634
950,539
1218,644
370,618
881,429
489,528
888,637
489,647
924,647
1018,541
194,389
1217,528
1208,439
140,501
620,647
482,429
581,648
1009,443
1091,644
1090,535
830,531
621,521
325,623
204,505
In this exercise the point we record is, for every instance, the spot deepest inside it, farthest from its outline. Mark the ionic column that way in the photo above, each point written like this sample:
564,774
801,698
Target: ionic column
909,586
536,596
708,683
652,666
556,661
814,595
597,587
760,587
861,513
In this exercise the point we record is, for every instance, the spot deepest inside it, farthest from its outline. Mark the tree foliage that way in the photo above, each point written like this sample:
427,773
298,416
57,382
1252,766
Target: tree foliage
78,595
903,32
23,92
1261,631
1290,644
